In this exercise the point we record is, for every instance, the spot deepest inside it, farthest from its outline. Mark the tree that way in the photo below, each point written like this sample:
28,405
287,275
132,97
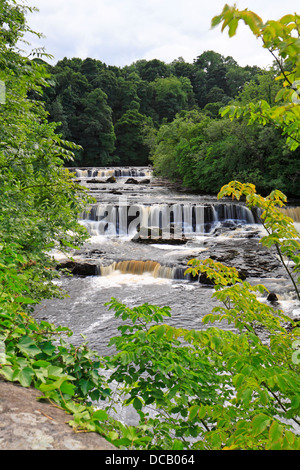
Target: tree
97,136
203,152
126,95
281,39
131,148
40,203
262,87
171,95
152,69
175,145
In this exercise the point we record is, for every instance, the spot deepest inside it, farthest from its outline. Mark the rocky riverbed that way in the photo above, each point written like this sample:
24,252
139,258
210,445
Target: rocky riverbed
130,256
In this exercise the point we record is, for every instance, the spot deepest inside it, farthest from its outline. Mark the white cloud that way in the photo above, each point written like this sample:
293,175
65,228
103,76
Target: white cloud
119,32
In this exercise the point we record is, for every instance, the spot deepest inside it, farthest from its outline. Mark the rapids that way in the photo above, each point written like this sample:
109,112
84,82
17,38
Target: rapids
143,232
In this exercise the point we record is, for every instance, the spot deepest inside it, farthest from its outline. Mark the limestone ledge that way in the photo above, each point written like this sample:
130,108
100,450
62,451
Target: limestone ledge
29,424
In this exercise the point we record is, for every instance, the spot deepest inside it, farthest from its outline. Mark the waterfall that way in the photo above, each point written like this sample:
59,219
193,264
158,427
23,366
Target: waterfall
116,172
234,212
141,267
162,220
292,212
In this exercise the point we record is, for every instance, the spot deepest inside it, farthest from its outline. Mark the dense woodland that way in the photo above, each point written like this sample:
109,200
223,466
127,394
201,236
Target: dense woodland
168,115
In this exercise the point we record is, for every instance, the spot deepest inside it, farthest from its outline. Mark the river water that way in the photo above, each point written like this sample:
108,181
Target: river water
143,232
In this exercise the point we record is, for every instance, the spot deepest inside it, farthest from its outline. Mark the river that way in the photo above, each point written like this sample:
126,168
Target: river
143,231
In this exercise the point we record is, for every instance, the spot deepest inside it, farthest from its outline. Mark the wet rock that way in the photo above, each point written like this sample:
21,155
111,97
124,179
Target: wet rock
131,181
80,268
115,191
167,241
111,179
29,424
94,181
149,235
272,297
145,181
296,314
247,256
204,279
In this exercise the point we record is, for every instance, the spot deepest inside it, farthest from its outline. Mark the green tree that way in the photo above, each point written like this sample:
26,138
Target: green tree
169,153
262,87
131,148
97,132
152,69
281,39
171,95
40,203
107,81
203,152
126,95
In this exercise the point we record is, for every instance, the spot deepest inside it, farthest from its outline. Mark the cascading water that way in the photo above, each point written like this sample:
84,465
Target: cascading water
176,228
176,219
154,273
139,267
116,172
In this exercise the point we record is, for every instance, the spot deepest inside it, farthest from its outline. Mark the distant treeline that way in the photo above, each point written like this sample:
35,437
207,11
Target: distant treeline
168,115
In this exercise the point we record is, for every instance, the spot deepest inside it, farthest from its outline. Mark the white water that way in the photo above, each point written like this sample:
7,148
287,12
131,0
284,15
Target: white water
176,219
135,172
113,222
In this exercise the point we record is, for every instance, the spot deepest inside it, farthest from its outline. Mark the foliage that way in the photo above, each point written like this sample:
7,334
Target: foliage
131,145
171,95
40,203
186,129
37,354
281,38
281,232
153,88
207,389
257,140
204,153
95,124
215,389
39,211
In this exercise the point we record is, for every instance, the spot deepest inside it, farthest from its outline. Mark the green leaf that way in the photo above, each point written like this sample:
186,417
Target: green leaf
67,388
260,424
122,442
275,431
28,346
41,363
25,300
193,411
137,403
7,372
24,376
48,348
100,415
177,445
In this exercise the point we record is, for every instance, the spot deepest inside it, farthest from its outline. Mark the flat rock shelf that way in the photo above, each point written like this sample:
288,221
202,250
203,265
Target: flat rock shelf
29,424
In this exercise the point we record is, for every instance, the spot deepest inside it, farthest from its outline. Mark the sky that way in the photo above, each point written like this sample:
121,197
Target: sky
120,32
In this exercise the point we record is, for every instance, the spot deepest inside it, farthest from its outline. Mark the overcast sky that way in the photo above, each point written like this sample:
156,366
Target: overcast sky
119,32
